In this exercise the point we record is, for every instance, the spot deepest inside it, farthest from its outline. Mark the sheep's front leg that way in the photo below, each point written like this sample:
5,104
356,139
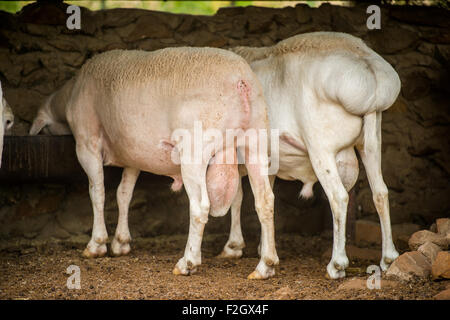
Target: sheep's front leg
121,242
194,178
91,162
325,168
235,244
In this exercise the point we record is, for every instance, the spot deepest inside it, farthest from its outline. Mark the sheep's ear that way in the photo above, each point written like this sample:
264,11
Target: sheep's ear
37,126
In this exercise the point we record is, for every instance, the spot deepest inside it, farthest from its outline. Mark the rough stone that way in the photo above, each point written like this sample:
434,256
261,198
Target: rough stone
443,54
402,242
53,230
421,15
415,58
25,103
433,115
322,16
44,13
303,13
369,232
189,23
420,237
436,36
427,48
399,39
205,38
441,266
429,250
433,228
230,11
150,26
49,203
258,22
76,216
41,30
403,230
29,227
11,71
65,44
119,17
416,85
443,226
410,264
443,295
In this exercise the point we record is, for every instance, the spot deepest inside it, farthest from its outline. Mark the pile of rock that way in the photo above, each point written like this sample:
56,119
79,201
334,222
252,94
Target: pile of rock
429,256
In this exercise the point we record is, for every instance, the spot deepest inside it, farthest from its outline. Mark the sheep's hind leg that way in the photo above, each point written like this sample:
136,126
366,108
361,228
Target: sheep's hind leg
235,244
121,242
370,153
325,167
92,164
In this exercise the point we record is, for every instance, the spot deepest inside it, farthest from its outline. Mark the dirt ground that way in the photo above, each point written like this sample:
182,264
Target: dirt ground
38,271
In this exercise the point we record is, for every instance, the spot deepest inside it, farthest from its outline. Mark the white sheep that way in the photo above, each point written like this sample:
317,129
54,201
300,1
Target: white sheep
51,117
7,120
326,92
123,108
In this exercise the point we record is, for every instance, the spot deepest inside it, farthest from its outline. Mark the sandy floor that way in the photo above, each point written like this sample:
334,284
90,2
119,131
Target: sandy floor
39,272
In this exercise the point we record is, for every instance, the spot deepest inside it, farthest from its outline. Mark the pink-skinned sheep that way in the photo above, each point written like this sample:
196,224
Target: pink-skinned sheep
123,108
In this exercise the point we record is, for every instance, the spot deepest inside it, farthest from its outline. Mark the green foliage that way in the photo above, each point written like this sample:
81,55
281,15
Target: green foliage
190,7
12,6
243,3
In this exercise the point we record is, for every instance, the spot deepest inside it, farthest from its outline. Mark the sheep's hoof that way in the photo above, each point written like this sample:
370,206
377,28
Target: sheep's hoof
177,271
255,275
120,249
336,275
97,254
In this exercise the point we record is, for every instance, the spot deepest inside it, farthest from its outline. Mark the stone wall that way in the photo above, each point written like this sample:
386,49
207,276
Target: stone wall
38,54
